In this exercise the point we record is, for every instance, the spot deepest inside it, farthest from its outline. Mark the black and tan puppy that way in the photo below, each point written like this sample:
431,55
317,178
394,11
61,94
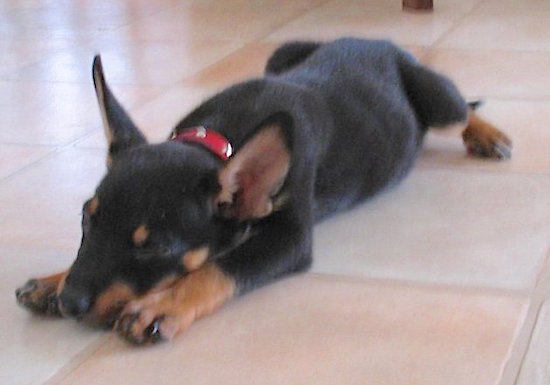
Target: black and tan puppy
176,229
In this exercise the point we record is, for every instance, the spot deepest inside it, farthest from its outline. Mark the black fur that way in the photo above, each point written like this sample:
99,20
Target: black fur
353,112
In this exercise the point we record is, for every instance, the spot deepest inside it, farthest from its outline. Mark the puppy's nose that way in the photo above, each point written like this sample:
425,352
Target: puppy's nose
73,304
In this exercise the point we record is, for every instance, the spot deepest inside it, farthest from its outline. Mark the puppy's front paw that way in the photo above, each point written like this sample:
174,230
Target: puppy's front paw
39,296
161,315
152,319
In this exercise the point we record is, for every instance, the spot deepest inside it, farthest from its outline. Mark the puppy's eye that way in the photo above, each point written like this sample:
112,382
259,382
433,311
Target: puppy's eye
164,251
144,255
149,253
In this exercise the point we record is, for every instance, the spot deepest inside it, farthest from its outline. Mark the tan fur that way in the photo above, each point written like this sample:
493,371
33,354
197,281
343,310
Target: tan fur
190,298
59,280
93,206
484,140
112,300
140,235
194,259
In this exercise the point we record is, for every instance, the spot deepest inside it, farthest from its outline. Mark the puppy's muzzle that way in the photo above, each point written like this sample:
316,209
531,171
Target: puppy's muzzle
73,303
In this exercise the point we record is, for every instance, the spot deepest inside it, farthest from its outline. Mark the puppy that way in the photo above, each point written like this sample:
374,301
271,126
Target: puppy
227,204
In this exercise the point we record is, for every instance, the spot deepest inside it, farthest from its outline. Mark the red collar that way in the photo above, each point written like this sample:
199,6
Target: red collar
208,138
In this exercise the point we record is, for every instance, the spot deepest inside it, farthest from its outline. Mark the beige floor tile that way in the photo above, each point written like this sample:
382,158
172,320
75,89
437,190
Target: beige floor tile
54,113
35,348
485,31
245,63
14,157
128,62
236,21
158,117
450,227
372,20
291,7
26,52
75,19
41,205
536,366
311,330
526,122
503,7
543,285
495,73
508,24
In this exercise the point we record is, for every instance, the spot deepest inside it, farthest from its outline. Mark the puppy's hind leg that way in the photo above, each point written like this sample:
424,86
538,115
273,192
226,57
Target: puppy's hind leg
438,104
289,55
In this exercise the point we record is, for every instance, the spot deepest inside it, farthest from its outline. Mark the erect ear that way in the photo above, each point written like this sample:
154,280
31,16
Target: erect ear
254,175
120,131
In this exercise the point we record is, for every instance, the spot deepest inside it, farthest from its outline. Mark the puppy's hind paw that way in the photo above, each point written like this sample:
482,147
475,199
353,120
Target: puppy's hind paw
485,141
497,147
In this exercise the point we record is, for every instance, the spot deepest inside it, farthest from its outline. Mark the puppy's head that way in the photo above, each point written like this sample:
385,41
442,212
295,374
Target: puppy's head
163,210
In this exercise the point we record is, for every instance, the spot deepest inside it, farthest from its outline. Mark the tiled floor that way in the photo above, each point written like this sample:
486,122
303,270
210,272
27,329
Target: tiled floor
443,280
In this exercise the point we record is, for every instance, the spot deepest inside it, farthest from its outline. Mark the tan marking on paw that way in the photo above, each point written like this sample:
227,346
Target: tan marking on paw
165,283
484,140
162,315
194,259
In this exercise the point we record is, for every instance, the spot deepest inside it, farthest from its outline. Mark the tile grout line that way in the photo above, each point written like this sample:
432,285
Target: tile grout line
24,144
58,150
259,39
290,20
524,326
433,166
447,287
529,325
138,20
455,25
43,158
77,360
512,370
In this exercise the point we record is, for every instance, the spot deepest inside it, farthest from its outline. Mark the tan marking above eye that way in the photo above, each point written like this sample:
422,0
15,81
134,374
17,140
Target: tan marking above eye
93,206
194,259
140,235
